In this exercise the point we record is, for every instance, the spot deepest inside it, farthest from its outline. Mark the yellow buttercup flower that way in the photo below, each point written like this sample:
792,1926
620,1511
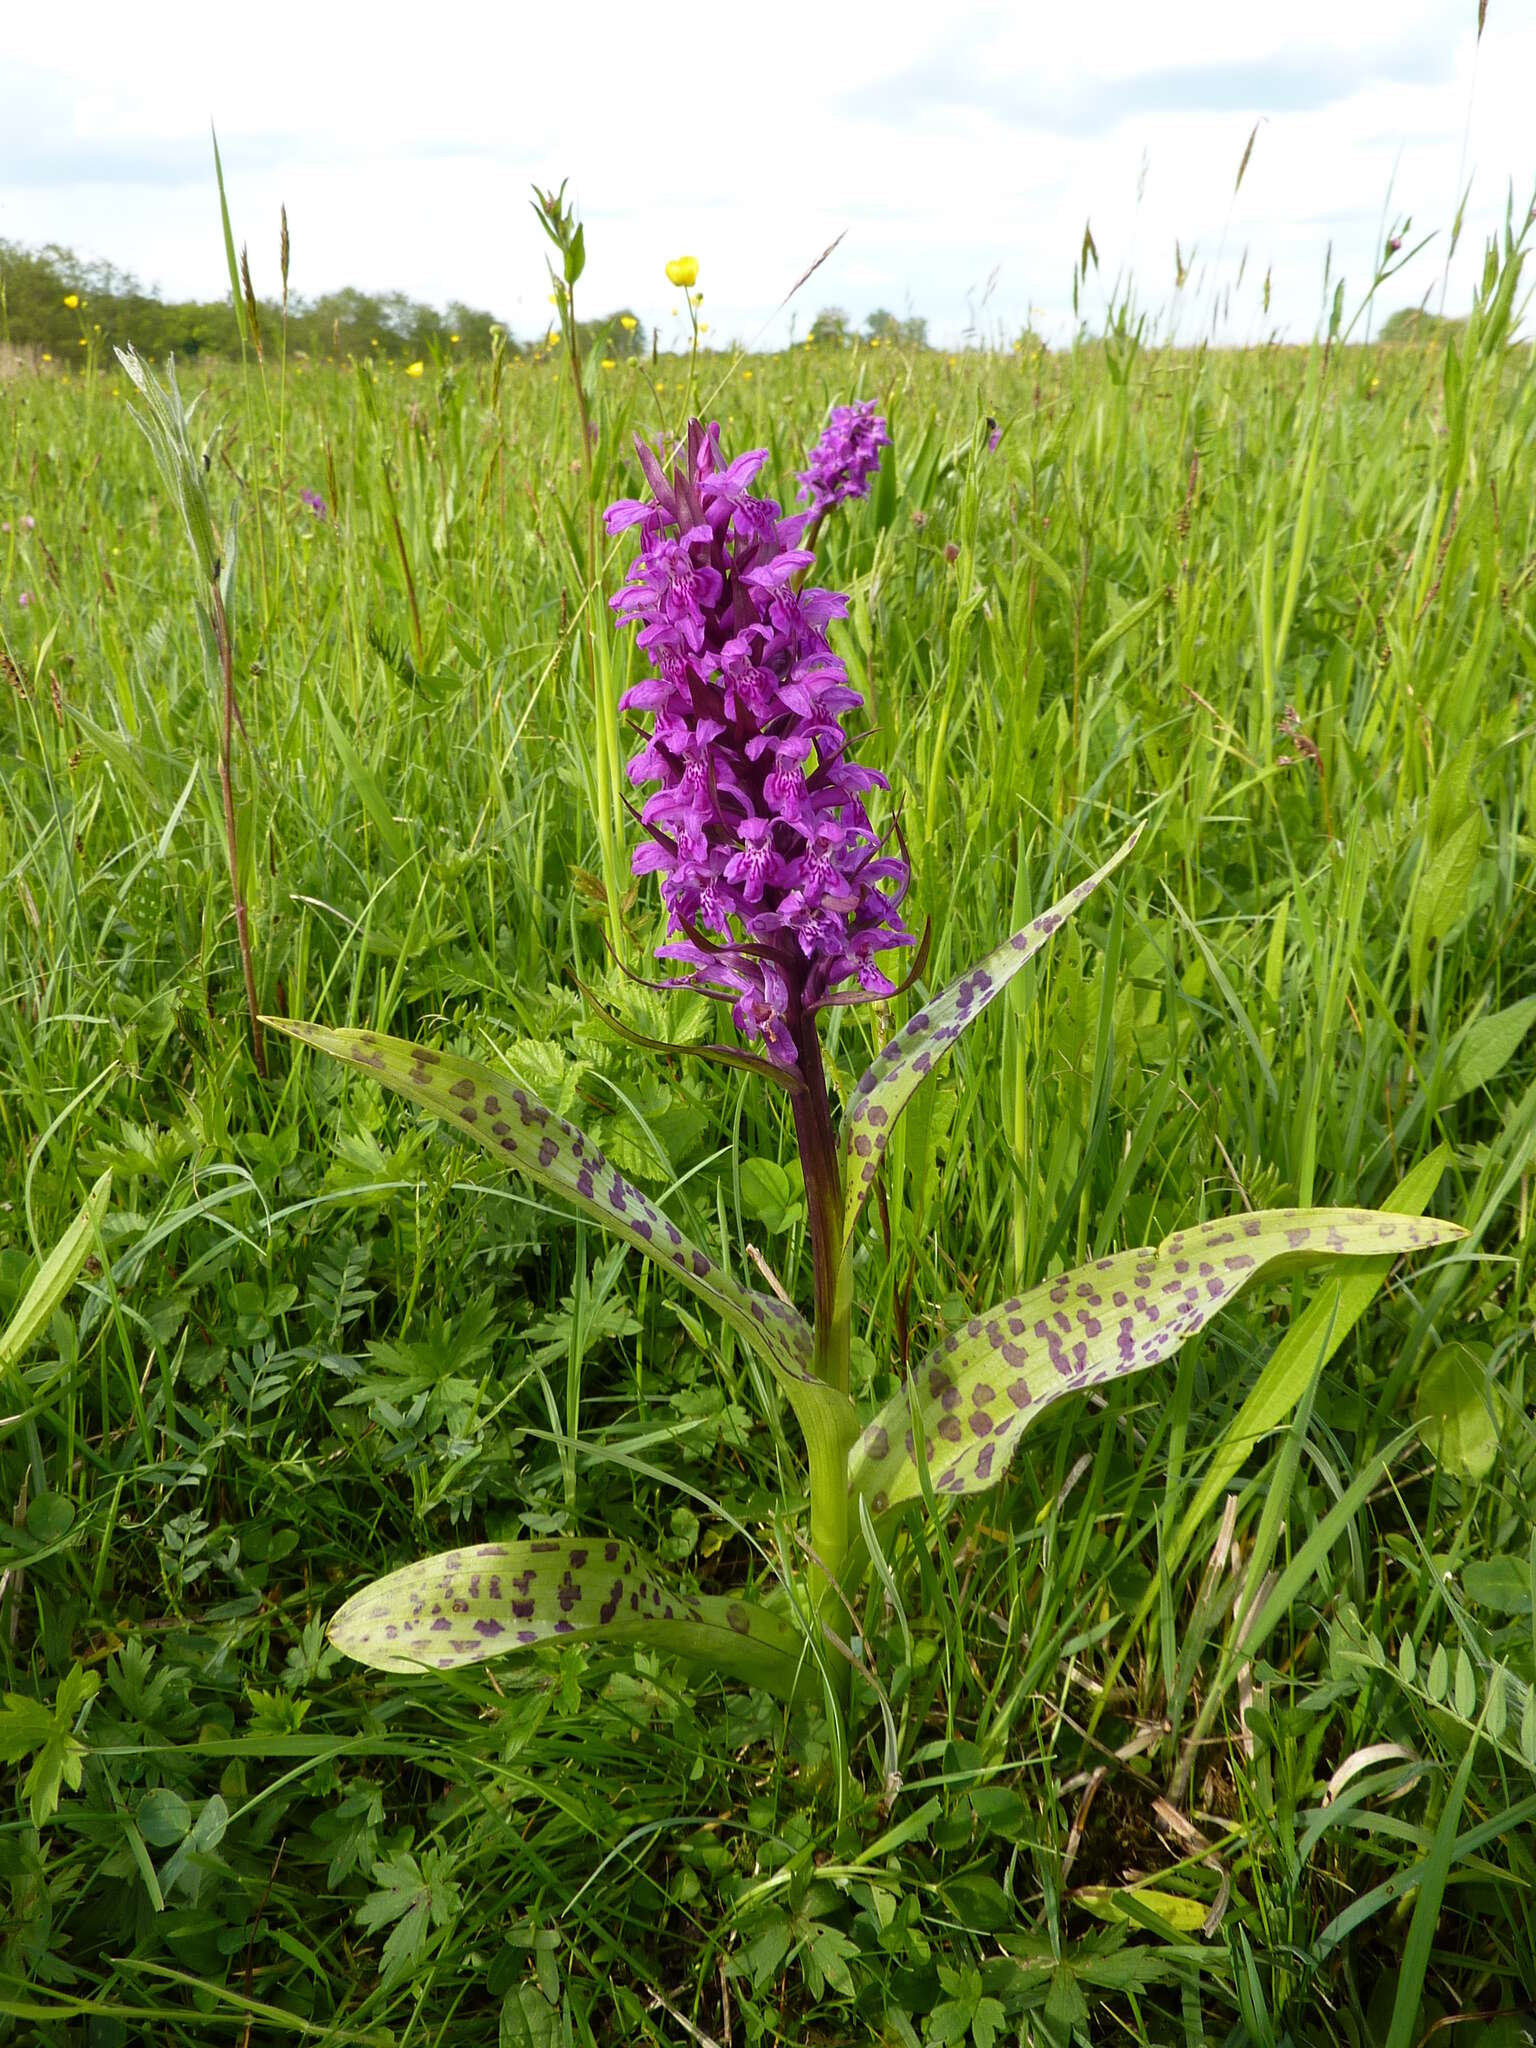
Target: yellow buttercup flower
628,322
72,299
607,362
454,339
683,270
46,357
414,369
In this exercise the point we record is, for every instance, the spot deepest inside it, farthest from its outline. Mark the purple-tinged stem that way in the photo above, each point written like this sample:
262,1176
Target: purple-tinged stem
831,1523
823,1195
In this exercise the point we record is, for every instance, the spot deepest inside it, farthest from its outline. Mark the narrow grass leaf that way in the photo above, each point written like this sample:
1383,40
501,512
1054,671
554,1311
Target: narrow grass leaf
55,1277
1304,1349
1426,1909
900,1068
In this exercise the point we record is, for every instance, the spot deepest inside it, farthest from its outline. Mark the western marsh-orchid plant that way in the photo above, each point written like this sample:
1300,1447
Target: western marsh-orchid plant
782,900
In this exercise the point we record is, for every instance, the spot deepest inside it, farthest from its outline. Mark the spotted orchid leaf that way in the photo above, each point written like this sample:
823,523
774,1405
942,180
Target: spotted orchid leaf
979,1390
492,1111
464,1606
899,1069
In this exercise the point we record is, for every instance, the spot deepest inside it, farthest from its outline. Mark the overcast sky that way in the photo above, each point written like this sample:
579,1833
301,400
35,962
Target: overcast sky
961,147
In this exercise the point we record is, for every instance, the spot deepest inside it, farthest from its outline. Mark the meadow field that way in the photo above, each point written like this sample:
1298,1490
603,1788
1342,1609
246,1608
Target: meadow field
1215,1722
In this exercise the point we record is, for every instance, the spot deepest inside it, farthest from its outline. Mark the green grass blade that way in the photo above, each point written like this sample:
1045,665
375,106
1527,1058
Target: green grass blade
396,841
1305,1348
55,1276
900,1068
229,243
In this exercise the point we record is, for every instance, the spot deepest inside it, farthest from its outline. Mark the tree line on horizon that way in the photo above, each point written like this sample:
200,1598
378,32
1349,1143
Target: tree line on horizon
55,303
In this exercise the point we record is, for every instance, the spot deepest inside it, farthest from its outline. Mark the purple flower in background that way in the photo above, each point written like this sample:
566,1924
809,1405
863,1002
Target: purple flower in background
777,886
845,458
23,598
315,502
994,435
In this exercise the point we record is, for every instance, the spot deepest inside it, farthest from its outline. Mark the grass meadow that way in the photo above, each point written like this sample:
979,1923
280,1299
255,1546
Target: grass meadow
1215,1723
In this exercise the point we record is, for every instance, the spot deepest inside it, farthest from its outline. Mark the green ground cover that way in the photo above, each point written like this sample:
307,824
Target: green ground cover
1215,1722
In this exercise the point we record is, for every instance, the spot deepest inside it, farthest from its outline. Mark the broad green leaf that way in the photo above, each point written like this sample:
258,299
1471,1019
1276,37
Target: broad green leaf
1441,899
980,1388
1483,1050
163,1817
47,1735
463,1606
507,1122
899,1069
191,1862
1501,1584
56,1276
1452,1408
410,1899
1107,1903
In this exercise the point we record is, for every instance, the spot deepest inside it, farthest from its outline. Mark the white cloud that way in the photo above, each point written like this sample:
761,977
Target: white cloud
950,147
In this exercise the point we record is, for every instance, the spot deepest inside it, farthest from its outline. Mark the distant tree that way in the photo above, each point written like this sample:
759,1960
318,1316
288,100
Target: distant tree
830,328
475,327
611,336
1412,323
883,326
111,308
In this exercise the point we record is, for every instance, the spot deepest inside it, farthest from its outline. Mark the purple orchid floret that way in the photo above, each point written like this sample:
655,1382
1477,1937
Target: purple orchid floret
778,888
845,458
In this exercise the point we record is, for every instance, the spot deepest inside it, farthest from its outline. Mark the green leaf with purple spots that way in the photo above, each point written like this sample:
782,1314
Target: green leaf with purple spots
980,1389
899,1069
492,1111
466,1605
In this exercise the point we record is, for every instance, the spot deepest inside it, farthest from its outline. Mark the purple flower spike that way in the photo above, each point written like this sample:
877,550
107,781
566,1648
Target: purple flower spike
777,887
845,458
315,502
